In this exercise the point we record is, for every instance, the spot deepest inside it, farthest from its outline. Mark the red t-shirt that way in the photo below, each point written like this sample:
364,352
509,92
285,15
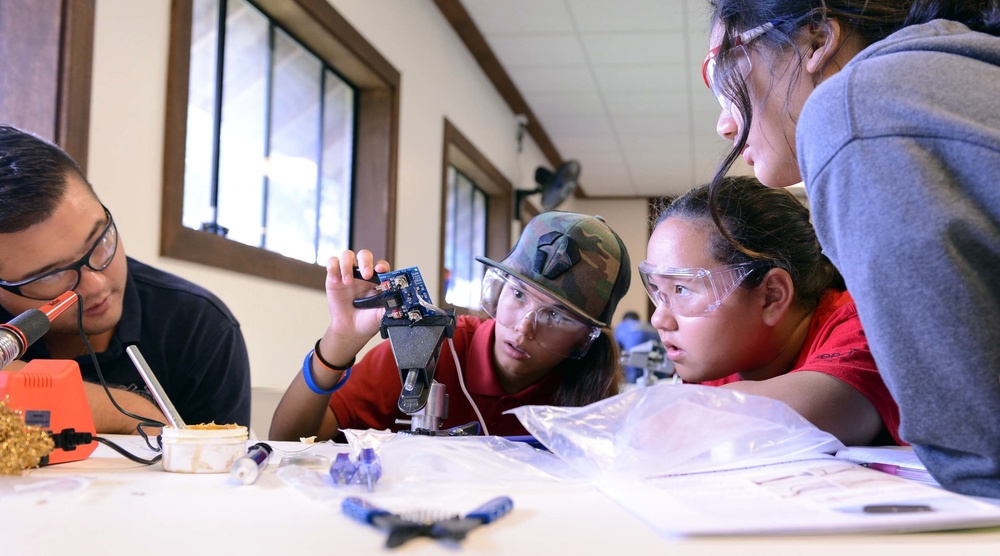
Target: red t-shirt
368,399
836,345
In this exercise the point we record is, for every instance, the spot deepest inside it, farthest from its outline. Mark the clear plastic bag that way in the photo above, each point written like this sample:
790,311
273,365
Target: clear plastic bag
673,428
453,472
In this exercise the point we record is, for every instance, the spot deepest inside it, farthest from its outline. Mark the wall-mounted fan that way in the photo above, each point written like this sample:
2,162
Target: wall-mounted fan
555,187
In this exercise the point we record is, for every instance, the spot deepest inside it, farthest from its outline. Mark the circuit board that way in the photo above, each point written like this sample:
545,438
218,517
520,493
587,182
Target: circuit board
409,286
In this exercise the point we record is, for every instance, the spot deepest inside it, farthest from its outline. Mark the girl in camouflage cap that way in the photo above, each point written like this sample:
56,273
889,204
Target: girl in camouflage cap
547,341
765,312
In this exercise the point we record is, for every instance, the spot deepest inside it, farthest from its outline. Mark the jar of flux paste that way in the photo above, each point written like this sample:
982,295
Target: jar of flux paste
203,448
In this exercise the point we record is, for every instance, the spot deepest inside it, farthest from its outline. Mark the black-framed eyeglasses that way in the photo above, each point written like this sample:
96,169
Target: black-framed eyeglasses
55,282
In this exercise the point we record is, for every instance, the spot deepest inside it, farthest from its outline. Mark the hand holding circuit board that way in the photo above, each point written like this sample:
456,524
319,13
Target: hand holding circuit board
416,329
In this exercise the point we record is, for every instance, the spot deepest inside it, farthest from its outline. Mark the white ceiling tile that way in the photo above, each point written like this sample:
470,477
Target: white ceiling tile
614,166
538,50
634,143
699,15
606,158
579,145
675,124
575,124
559,102
659,161
548,80
616,85
640,103
519,16
665,79
628,15
635,49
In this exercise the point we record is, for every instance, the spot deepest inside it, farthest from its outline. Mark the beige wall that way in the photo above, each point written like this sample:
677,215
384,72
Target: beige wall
628,218
440,79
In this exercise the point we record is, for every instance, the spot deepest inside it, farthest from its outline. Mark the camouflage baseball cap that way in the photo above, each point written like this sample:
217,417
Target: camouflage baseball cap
575,258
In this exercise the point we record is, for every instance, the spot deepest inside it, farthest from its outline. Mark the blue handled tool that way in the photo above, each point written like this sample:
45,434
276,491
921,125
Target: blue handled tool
458,527
403,528
362,510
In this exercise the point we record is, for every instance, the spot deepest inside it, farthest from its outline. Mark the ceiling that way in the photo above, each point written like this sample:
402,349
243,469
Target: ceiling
615,85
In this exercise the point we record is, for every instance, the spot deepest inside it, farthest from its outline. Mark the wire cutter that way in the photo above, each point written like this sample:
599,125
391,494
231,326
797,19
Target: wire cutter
402,528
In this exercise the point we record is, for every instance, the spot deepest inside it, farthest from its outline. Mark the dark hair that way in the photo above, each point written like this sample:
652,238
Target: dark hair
593,377
630,315
33,176
764,224
869,20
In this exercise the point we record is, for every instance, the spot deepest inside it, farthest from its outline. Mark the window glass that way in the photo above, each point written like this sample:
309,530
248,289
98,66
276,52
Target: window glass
269,103
293,152
241,138
466,239
270,137
199,147
336,166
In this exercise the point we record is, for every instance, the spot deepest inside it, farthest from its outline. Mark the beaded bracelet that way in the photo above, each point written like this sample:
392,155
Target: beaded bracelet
307,374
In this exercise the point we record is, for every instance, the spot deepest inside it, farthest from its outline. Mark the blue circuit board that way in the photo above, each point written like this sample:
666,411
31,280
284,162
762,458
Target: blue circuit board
409,284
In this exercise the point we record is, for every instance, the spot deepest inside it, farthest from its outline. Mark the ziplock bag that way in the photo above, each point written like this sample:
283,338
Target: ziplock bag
674,428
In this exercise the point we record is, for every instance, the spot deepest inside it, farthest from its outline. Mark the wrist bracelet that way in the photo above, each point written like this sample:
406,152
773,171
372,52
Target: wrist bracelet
307,374
327,364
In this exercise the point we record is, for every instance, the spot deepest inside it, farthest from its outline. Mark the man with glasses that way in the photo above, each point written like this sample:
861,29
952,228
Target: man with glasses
547,341
57,236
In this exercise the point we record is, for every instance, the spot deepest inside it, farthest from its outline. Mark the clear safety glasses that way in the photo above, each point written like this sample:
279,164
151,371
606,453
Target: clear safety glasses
510,301
693,292
740,63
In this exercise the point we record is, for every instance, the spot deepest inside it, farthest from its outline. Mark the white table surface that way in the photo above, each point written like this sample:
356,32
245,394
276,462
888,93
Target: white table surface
128,508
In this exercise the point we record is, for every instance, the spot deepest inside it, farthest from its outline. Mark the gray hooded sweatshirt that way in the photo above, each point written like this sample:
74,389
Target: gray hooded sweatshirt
900,153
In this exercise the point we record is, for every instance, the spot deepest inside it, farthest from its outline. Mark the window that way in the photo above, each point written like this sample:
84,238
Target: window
465,239
476,219
269,109
270,132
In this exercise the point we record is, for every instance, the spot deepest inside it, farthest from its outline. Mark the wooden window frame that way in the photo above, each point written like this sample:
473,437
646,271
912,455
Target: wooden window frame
459,152
64,68
320,28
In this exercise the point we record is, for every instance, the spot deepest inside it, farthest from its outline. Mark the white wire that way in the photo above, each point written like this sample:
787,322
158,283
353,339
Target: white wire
430,306
461,382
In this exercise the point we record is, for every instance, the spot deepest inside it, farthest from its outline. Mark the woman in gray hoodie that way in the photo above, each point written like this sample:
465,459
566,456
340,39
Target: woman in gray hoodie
889,112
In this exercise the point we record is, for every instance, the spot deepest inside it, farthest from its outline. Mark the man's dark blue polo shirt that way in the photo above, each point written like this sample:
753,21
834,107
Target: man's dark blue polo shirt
191,341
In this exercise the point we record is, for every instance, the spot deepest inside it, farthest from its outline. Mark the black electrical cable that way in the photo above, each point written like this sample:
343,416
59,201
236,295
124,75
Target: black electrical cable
143,421
69,439
126,453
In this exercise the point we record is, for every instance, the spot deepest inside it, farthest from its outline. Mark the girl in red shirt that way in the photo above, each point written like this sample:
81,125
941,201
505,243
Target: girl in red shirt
763,310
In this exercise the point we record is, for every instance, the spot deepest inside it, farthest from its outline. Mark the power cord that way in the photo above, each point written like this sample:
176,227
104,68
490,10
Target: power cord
69,439
461,382
143,421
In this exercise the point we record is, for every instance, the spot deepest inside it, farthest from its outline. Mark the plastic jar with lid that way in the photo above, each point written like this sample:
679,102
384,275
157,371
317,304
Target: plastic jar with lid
195,450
